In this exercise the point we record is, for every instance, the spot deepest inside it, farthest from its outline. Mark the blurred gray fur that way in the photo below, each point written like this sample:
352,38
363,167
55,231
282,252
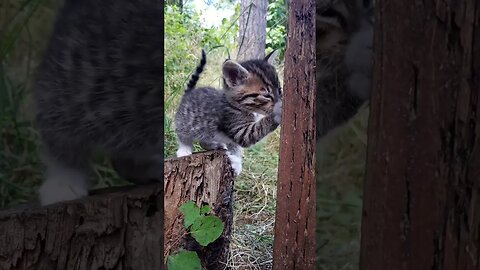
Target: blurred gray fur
344,48
100,88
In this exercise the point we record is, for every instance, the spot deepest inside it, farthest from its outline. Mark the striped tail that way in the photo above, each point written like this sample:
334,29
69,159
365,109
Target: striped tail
193,81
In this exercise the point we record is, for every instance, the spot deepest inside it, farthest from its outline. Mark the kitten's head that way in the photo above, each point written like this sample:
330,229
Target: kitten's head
252,85
336,20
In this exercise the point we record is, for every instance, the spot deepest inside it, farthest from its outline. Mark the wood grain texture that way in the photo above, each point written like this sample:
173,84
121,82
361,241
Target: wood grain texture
206,178
294,243
422,194
118,230
252,29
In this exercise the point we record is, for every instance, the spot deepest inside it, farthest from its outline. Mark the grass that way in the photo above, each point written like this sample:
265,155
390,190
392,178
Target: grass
254,211
340,173
24,26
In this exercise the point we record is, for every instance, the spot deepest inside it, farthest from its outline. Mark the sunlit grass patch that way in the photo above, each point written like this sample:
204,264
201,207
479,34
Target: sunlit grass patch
341,169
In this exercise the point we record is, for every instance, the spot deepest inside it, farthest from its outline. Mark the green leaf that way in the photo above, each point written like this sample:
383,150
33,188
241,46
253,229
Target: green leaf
205,210
191,212
184,260
207,229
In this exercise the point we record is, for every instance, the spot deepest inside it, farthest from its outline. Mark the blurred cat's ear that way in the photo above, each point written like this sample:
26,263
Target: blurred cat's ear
333,15
233,73
271,58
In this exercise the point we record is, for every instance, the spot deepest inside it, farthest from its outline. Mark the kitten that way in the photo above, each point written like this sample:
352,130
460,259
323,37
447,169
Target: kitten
100,87
248,109
344,47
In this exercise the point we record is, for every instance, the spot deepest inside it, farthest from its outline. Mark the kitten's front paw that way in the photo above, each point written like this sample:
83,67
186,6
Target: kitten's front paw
59,190
236,163
184,150
183,153
277,112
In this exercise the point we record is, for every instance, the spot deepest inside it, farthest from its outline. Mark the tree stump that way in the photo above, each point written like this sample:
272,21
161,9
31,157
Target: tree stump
116,230
206,178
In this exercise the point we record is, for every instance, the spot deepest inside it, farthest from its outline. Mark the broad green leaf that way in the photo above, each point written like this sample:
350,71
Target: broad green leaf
191,212
207,229
205,210
184,260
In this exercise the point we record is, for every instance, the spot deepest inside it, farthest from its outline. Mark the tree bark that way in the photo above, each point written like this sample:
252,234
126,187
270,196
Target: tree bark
252,29
422,193
206,178
118,230
294,243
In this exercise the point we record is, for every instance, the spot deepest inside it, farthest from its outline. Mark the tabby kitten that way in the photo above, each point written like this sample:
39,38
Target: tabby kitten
248,109
344,48
100,88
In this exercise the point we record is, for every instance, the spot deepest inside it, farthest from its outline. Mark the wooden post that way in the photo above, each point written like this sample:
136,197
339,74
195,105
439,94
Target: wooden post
116,230
252,31
206,178
422,194
294,243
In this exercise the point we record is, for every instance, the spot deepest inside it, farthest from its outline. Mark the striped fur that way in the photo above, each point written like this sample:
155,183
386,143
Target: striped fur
193,81
99,88
229,118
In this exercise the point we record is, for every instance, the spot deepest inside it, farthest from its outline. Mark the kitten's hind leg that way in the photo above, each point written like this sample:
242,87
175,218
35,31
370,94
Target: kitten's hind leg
66,177
185,148
234,153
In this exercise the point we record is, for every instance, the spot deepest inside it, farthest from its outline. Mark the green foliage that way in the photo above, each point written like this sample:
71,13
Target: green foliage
205,210
277,26
185,36
203,227
184,260
20,38
191,213
207,229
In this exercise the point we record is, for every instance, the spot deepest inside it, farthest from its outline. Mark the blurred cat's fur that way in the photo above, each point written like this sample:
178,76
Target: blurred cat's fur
247,109
100,87
344,48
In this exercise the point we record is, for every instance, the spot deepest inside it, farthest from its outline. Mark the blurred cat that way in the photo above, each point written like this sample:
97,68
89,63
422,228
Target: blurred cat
100,87
344,48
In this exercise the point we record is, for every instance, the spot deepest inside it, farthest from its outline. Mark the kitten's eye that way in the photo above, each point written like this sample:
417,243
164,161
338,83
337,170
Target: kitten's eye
268,96
266,90
249,96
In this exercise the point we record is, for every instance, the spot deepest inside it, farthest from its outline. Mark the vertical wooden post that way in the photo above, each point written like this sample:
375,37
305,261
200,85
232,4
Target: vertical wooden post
252,29
422,194
294,243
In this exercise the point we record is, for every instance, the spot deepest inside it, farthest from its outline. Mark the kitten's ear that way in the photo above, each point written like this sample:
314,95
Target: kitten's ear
332,15
271,57
233,73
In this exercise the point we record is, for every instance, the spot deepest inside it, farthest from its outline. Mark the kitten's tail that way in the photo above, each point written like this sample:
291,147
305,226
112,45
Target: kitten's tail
196,75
